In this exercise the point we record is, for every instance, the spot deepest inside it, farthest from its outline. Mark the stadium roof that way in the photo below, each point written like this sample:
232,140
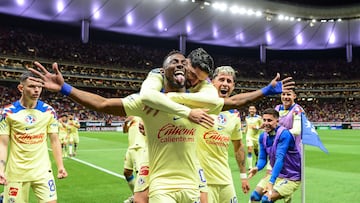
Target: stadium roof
277,24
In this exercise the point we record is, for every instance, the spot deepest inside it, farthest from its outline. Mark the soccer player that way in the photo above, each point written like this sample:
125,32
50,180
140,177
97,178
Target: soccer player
290,112
253,124
25,127
278,145
73,125
134,127
213,145
200,65
203,93
171,139
63,134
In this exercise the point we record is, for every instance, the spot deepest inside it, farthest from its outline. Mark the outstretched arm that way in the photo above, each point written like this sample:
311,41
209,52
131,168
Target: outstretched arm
275,87
239,151
55,82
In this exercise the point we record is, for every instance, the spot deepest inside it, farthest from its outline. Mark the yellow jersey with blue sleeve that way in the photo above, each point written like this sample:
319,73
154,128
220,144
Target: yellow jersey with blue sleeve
213,147
28,131
171,148
253,124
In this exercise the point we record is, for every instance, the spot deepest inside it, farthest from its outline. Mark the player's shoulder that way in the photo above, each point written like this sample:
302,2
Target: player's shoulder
46,108
42,106
11,108
234,112
156,72
298,109
132,98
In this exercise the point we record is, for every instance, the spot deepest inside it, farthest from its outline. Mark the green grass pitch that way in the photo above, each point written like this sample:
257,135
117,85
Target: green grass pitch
95,174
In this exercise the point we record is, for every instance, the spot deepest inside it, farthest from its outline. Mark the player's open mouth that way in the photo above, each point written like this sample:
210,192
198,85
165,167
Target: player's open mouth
179,76
223,91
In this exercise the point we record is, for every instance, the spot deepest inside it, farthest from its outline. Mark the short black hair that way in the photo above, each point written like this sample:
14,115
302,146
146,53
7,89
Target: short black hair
199,58
173,52
271,111
26,75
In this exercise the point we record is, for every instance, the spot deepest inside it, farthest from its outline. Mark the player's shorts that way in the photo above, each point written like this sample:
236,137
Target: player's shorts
70,138
76,138
183,196
252,141
263,182
283,186
222,193
286,187
44,189
202,180
63,138
133,158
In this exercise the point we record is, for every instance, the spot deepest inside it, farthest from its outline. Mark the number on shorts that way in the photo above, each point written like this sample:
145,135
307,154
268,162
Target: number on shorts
234,200
51,184
202,175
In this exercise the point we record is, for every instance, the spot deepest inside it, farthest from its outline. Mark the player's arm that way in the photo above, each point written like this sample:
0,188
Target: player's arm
4,140
285,141
77,124
262,159
55,82
275,87
296,128
206,97
239,151
56,149
152,97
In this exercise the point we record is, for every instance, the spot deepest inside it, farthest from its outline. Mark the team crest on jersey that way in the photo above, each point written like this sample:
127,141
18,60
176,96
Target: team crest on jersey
222,119
30,119
141,181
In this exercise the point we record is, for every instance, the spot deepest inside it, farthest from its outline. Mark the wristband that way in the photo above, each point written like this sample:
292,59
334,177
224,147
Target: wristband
66,89
270,90
243,175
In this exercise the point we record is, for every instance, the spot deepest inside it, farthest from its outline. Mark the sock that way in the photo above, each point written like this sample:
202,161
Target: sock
249,160
70,149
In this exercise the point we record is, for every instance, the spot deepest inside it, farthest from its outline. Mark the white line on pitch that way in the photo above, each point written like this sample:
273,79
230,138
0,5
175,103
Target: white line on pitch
98,168
105,149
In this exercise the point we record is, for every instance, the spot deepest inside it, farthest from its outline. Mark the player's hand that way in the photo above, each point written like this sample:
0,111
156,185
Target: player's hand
201,117
3,180
252,172
245,185
286,84
51,81
150,110
62,173
269,189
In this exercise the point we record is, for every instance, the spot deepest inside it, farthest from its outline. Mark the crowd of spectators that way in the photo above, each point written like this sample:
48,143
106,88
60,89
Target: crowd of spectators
328,89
